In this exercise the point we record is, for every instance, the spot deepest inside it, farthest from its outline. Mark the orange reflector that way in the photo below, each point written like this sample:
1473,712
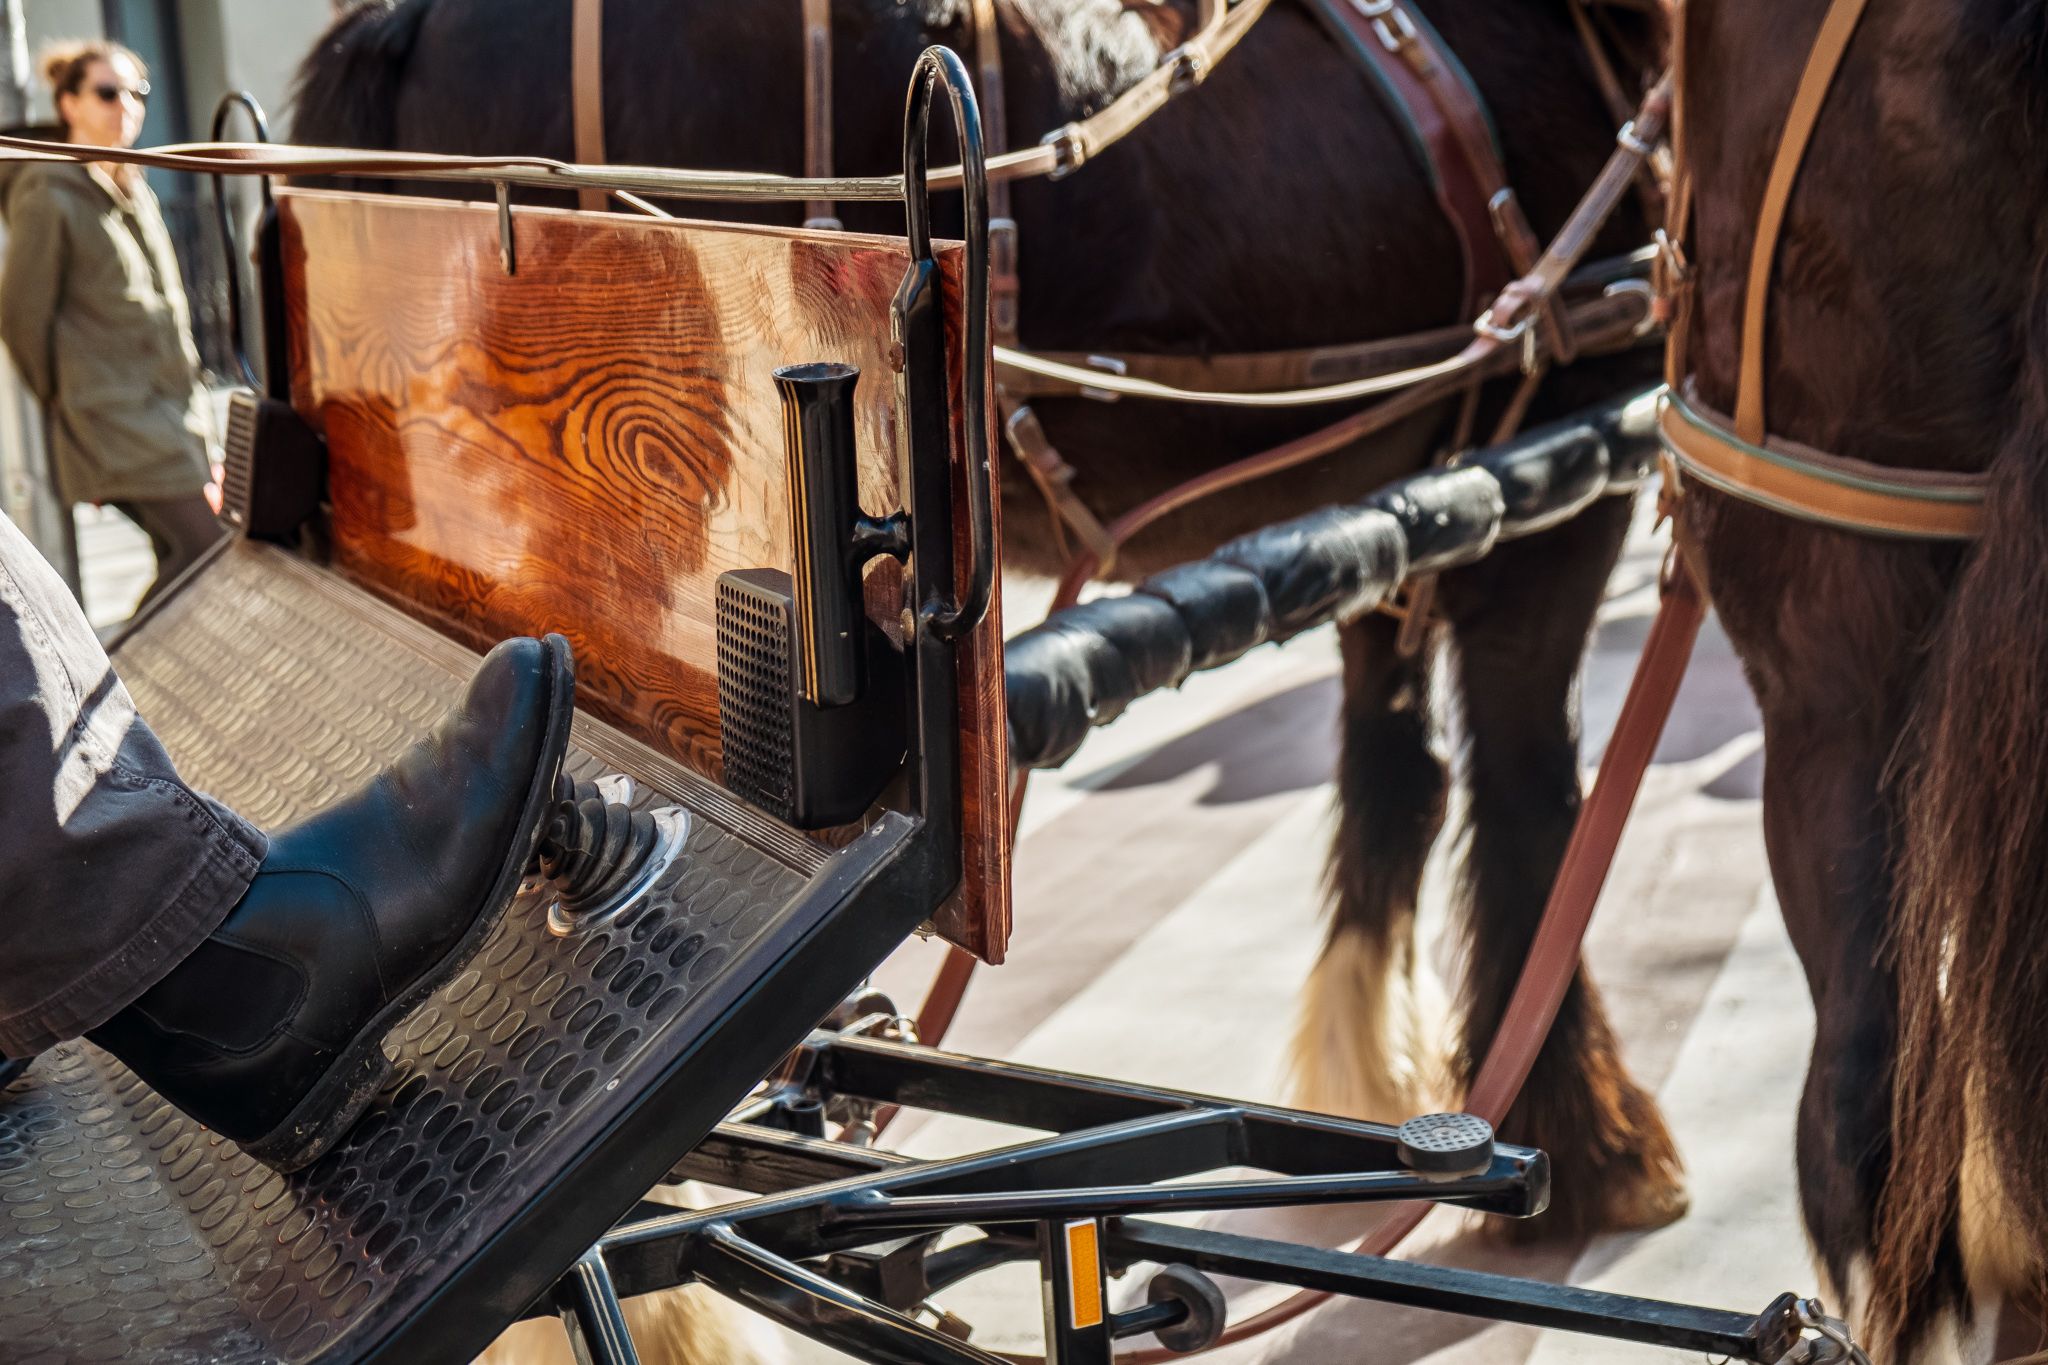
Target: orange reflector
1084,1273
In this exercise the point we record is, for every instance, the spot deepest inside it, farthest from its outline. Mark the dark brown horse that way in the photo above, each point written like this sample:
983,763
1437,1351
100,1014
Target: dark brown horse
1904,683
1279,207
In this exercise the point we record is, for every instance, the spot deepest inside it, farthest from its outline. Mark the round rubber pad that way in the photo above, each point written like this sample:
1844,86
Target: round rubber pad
1447,1144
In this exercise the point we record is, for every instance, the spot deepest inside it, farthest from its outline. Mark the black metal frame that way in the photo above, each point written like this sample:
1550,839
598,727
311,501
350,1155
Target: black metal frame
843,1244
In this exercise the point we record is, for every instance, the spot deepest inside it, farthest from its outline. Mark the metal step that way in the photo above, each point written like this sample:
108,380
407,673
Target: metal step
535,1098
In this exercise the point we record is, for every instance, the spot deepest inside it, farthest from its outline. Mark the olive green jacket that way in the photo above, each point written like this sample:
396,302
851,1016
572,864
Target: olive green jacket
94,313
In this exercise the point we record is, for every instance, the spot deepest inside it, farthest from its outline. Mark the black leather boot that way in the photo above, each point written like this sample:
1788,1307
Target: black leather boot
271,1033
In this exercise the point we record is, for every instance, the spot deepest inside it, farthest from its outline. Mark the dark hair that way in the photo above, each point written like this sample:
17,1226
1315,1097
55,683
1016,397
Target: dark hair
65,64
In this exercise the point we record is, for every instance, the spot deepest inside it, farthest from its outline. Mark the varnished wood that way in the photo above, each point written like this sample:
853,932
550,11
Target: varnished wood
584,445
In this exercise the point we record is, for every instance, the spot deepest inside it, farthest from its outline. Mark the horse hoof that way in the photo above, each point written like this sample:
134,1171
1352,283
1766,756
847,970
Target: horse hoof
1646,1206
1623,1198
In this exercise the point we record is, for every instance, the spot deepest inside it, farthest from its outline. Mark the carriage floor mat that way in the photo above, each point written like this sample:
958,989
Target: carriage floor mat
534,1098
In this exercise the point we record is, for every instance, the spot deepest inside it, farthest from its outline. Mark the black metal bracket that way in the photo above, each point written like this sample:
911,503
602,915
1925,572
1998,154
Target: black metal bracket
843,1245
919,332
247,103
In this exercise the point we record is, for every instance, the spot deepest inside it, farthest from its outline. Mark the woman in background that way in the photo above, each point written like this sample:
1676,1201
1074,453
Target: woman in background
93,310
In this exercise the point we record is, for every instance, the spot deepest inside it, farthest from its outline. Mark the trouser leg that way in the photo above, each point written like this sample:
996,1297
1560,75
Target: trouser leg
180,530
111,869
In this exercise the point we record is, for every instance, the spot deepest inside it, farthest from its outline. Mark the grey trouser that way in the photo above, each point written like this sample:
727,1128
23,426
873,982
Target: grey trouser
111,869
180,530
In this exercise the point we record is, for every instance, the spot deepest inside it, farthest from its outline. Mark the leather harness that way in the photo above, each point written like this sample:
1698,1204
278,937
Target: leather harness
1402,54
586,89
1736,455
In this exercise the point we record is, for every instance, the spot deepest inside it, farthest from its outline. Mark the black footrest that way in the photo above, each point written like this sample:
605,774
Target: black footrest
535,1099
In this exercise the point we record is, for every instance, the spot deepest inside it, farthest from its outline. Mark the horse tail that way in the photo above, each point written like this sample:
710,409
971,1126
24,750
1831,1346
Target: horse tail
346,93
1969,1161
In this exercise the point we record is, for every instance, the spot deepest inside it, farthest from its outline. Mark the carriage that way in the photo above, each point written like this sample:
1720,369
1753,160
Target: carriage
748,472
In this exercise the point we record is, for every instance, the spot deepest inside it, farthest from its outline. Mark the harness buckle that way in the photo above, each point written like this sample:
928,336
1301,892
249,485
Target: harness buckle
1390,23
1108,364
1522,329
1672,264
1004,288
1068,150
1190,66
1641,289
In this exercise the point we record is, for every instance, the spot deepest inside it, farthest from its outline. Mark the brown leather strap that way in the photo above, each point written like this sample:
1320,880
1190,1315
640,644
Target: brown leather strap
818,108
1813,485
1674,281
1604,75
1524,250
1004,286
1445,115
1594,323
1589,855
1821,65
1063,150
1248,371
1054,479
586,85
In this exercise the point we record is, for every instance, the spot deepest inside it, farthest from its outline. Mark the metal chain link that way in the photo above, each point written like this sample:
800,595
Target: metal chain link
1814,1318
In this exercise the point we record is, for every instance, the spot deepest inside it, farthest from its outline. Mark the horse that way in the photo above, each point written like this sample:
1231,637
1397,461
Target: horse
1278,206
1903,682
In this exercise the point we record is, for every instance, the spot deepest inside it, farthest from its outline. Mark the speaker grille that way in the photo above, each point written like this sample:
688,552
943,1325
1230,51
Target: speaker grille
754,661
239,458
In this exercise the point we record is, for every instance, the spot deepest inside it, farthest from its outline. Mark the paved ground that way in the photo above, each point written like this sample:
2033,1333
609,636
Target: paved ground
115,563
1168,892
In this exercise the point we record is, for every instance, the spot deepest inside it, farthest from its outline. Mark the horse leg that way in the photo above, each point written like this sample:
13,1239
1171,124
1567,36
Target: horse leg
1366,1044
1519,621
1827,828
1825,834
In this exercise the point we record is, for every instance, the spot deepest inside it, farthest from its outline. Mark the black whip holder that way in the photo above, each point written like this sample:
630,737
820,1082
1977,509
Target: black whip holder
597,853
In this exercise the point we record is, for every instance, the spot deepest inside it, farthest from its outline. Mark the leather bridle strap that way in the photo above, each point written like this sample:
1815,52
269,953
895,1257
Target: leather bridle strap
1821,65
818,213
1445,120
586,84
995,137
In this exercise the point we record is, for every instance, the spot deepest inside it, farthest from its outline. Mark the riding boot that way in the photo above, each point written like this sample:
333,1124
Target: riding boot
271,1032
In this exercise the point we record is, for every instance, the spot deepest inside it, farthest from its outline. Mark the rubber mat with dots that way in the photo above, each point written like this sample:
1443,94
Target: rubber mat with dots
128,1232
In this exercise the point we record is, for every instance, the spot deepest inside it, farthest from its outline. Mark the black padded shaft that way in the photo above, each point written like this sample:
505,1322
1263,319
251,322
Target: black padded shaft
1083,666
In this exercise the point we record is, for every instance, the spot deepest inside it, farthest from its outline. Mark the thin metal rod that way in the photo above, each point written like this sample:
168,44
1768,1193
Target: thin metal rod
591,1312
1136,1139
230,257
1107,1201
937,66
1534,1303
808,1303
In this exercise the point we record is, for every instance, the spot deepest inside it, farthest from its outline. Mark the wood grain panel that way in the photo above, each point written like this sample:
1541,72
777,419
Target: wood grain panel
585,444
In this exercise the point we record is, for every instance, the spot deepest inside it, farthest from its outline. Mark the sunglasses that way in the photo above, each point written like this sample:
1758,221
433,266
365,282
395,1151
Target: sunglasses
111,94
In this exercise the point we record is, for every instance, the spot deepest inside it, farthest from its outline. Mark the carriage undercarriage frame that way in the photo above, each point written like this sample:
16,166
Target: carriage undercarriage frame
844,1242
847,1244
